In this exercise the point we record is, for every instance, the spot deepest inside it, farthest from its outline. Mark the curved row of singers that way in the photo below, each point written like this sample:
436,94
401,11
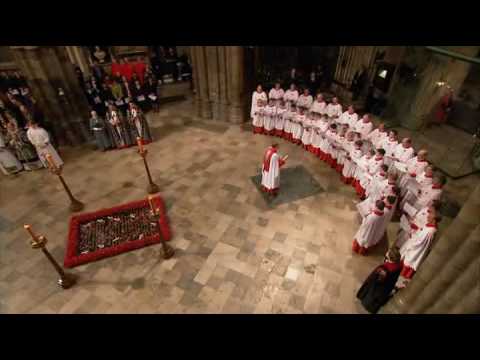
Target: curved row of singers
387,174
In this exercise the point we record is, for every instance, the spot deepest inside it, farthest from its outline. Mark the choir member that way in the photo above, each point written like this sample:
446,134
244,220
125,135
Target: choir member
40,139
138,123
17,139
118,128
319,106
416,248
430,193
378,178
371,230
403,152
297,126
269,119
366,169
272,162
287,129
389,146
307,132
9,164
364,127
377,136
257,95
100,132
340,150
316,137
280,119
350,162
330,150
291,96
349,117
305,100
334,109
377,289
415,166
276,94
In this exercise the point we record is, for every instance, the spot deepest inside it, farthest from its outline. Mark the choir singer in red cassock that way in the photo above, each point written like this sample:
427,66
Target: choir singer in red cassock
271,170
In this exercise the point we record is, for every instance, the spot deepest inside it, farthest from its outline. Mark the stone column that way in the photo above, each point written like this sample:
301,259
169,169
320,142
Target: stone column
47,69
223,106
213,80
236,83
456,248
205,110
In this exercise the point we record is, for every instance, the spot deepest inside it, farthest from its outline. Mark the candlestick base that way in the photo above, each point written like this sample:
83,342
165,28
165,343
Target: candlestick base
153,188
67,281
76,206
167,251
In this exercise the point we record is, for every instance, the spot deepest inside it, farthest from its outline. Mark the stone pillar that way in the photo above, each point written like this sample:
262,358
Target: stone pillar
236,84
213,80
47,69
205,108
223,107
452,254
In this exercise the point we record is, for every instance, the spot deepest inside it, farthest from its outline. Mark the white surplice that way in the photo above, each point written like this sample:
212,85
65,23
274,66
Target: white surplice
416,248
255,97
371,230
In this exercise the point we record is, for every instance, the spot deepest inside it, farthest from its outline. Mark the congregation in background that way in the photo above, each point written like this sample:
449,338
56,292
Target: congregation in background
391,178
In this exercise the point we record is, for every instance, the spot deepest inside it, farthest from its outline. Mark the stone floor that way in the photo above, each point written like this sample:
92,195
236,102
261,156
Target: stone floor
235,253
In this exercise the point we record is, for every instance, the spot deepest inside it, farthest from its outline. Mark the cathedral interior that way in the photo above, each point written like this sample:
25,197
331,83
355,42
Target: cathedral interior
233,250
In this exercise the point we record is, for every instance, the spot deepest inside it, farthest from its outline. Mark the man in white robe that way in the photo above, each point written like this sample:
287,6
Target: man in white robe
272,162
269,119
364,126
389,146
291,96
276,94
430,193
377,136
289,118
319,106
415,166
350,162
297,126
349,117
280,119
402,153
258,118
41,141
305,100
334,109
417,247
371,230
257,95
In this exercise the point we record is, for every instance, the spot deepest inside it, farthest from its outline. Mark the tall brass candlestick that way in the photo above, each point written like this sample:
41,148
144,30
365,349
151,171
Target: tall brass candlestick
75,205
66,280
152,187
167,250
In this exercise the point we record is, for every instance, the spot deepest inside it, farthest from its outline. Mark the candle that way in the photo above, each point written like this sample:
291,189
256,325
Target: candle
50,161
150,201
140,144
30,231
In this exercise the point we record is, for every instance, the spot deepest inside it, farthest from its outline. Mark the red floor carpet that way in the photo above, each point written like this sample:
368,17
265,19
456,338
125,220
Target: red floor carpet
109,232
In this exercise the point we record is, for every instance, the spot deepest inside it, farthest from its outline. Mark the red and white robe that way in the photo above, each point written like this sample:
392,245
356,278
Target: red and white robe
341,152
416,249
376,137
258,120
305,101
271,170
280,121
415,166
297,128
389,147
363,128
287,128
319,107
419,221
334,110
348,119
427,195
255,97
269,119
290,97
350,164
401,154
370,233
276,95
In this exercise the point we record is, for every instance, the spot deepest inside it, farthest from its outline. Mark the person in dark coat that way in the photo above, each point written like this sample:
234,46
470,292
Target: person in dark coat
377,288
